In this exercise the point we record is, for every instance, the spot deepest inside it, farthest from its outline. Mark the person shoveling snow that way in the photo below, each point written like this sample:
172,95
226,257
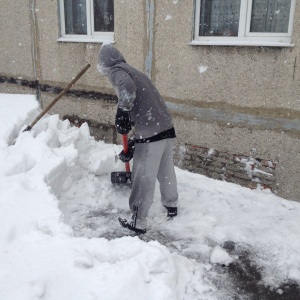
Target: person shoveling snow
140,104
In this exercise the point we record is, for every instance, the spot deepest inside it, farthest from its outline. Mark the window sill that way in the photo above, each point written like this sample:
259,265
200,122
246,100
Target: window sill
85,40
241,43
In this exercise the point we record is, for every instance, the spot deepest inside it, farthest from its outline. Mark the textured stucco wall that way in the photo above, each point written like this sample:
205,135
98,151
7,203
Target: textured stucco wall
15,39
239,76
256,77
60,61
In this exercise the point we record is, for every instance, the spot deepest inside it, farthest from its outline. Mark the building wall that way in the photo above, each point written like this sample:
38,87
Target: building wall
238,102
15,45
236,76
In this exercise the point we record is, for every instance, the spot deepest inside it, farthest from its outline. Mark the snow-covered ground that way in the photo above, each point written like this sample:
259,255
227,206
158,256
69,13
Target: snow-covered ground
60,239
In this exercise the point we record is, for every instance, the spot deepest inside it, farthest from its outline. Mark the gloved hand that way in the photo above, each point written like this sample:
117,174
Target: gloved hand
122,121
128,156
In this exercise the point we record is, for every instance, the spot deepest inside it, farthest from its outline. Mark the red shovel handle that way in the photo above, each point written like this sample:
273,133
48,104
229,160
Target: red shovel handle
125,149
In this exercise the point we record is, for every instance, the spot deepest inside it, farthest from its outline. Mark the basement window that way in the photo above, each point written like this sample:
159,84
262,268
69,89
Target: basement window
87,20
244,22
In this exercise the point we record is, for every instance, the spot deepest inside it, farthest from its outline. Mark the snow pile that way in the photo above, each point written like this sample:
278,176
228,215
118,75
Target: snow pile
220,256
39,257
56,175
15,111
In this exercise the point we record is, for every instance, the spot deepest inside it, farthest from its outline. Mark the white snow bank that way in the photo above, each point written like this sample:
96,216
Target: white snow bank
15,111
40,258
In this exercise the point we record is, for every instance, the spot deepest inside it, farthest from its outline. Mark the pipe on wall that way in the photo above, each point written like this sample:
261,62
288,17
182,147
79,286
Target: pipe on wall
34,49
150,34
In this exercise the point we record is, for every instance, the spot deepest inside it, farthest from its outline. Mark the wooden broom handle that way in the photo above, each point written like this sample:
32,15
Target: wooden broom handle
57,98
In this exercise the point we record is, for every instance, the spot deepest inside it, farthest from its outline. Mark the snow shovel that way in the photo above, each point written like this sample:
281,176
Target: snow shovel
122,177
57,98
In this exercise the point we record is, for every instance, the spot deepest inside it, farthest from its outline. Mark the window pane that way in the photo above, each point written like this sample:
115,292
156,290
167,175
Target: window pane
75,16
270,16
219,17
104,15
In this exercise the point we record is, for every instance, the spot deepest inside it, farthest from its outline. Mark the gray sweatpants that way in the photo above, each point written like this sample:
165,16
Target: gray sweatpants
151,161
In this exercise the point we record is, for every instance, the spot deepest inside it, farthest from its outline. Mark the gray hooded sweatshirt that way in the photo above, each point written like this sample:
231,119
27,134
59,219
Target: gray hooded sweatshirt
136,93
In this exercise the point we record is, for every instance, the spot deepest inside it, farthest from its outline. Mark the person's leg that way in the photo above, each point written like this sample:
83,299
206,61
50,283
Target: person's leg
167,177
147,159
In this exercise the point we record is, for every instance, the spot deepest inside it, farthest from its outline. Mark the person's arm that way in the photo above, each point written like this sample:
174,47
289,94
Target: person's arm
124,88
123,121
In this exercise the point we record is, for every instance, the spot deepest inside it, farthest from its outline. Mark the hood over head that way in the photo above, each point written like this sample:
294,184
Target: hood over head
108,57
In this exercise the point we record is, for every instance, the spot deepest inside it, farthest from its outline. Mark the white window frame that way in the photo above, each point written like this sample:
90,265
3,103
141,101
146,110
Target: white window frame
245,37
92,36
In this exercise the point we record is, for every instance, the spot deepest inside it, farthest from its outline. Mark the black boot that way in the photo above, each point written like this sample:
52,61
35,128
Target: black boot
124,223
172,211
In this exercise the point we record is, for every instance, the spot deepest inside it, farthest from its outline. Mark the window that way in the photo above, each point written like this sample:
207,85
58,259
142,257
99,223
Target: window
244,22
87,20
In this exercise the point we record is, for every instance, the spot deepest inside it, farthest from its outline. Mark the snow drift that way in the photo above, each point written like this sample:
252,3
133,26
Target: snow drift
56,176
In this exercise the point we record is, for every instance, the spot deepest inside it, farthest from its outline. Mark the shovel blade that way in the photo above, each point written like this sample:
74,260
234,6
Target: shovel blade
120,177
